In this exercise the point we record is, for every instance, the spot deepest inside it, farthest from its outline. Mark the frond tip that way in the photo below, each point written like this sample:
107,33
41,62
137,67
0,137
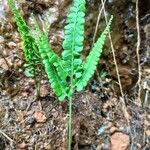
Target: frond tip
74,36
92,59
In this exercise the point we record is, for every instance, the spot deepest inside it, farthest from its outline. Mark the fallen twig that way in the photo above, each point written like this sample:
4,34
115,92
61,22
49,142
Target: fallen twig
6,136
97,23
114,56
138,56
124,108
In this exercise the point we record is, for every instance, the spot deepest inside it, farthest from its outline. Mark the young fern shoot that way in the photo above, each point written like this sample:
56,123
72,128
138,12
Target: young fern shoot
70,66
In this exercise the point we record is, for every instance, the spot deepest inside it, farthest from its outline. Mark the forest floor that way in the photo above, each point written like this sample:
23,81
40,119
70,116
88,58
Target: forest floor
104,118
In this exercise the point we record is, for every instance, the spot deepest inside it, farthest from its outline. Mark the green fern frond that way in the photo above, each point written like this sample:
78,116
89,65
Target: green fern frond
73,42
52,63
92,59
29,46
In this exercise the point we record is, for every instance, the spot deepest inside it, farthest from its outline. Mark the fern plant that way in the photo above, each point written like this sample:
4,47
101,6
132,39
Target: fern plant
31,53
69,72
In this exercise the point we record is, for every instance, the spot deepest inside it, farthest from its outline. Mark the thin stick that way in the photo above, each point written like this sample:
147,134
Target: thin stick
37,81
114,56
146,98
39,86
5,61
137,53
97,23
6,136
124,108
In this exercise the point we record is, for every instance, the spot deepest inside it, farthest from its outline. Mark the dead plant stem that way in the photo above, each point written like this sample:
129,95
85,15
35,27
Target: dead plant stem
5,61
97,23
137,53
6,136
124,108
114,56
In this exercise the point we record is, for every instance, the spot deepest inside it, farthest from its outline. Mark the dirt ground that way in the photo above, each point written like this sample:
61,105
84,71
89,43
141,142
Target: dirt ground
103,118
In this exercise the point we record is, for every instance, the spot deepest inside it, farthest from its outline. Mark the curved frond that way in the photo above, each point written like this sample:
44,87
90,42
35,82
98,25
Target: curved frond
29,46
73,42
53,65
92,59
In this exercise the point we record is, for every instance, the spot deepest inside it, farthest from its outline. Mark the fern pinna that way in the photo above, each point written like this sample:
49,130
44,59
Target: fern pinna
70,66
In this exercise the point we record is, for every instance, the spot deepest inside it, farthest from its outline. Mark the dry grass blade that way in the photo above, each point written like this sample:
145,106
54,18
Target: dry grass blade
114,56
6,136
124,108
97,23
138,56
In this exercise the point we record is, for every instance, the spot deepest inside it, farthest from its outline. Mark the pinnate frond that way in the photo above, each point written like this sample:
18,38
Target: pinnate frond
92,59
53,65
73,42
29,46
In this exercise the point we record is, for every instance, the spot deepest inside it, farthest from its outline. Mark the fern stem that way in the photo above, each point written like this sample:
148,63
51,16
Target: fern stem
39,81
70,124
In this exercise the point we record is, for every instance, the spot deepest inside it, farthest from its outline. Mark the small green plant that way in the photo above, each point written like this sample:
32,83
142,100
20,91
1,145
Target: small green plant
69,72
33,60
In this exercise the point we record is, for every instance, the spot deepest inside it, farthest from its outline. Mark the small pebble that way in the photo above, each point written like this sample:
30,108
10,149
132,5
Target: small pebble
23,105
113,129
23,145
119,141
11,44
1,40
30,120
102,129
40,116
